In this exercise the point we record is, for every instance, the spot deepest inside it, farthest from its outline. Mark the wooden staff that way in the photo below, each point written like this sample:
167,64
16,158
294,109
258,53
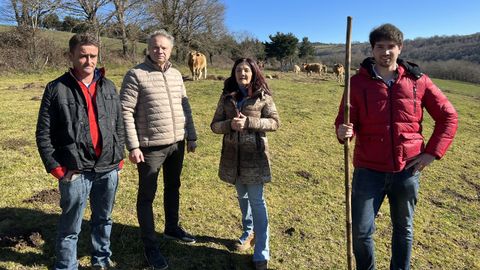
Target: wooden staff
346,120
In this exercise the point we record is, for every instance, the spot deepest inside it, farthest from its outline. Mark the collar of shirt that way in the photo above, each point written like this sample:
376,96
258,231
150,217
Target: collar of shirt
392,80
96,76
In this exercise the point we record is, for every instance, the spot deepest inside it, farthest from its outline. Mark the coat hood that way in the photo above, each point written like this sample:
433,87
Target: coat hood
410,68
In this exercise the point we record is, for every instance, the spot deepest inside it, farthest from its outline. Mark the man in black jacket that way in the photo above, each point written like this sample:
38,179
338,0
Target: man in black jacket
80,137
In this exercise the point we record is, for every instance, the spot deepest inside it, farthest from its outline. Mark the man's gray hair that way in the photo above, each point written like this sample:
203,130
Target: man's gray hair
163,33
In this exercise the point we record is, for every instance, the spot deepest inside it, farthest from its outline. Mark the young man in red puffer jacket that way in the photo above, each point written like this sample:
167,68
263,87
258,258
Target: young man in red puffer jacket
387,100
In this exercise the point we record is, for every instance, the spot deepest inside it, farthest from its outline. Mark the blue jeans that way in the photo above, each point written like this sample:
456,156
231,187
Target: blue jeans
101,188
369,189
254,217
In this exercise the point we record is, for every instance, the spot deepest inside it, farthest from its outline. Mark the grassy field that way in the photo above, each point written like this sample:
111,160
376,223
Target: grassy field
305,199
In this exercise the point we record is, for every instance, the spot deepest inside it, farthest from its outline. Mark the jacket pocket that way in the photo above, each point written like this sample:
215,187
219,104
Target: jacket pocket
69,111
70,157
118,152
412,144
111,103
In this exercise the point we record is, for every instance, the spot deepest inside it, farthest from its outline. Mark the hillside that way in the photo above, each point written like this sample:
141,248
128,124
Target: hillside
445,57
17,52
437,48
60,39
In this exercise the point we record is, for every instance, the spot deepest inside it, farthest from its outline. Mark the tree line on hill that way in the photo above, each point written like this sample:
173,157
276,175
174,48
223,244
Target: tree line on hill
197,25
444,57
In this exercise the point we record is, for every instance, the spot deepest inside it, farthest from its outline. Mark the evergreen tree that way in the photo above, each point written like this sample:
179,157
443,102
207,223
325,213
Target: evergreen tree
306,49
282,47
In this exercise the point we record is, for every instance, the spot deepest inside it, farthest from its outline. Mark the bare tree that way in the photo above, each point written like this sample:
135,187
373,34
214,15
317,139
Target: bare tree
28,15
193,23
248,46
210,29
168,14
90,11
121,9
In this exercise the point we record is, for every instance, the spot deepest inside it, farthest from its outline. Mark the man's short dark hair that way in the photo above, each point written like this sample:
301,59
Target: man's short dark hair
386,32
82,39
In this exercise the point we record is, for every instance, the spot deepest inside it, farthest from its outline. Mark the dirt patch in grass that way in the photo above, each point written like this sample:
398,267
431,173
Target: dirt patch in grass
308,176
457,195
304,174
22,238
50,196
437,203
14,143
290,231
475,186
33,85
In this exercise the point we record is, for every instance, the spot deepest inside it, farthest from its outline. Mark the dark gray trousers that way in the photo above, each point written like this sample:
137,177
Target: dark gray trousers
170,158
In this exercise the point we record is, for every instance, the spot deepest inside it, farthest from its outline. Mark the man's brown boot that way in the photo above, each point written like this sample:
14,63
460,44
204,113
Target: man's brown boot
249,242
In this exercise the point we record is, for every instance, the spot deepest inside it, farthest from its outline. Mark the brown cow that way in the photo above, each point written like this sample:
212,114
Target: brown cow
314,67
197,62
324,69
339,71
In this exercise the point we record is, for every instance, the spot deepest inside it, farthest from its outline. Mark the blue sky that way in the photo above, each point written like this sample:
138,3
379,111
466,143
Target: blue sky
325,21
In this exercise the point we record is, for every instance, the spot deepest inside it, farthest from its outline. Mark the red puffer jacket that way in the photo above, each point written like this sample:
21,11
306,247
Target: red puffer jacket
388,120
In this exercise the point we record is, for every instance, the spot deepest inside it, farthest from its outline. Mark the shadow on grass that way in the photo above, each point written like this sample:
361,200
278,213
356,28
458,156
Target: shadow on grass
27,238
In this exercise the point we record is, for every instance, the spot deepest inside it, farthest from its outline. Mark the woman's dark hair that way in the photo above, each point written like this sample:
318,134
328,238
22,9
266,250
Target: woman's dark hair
257,82
386,32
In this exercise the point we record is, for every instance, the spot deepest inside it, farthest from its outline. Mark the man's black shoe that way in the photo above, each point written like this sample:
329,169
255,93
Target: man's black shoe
155,260
179,234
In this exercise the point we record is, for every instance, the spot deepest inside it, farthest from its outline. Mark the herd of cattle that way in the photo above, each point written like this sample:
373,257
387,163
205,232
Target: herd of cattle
338,69
197,62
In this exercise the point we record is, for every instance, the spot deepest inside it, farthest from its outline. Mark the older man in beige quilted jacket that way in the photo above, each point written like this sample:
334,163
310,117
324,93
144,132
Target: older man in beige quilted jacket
158,121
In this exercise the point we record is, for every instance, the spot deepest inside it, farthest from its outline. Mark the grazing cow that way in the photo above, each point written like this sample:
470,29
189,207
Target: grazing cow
324,69
197,62
296,69
261,64
314,67
339,71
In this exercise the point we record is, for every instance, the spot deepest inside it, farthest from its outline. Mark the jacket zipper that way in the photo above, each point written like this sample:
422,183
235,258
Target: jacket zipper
237,136
171,105
415,98
391,124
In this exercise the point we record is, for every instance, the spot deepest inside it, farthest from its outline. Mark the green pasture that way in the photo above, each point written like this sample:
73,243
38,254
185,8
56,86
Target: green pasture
305,199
